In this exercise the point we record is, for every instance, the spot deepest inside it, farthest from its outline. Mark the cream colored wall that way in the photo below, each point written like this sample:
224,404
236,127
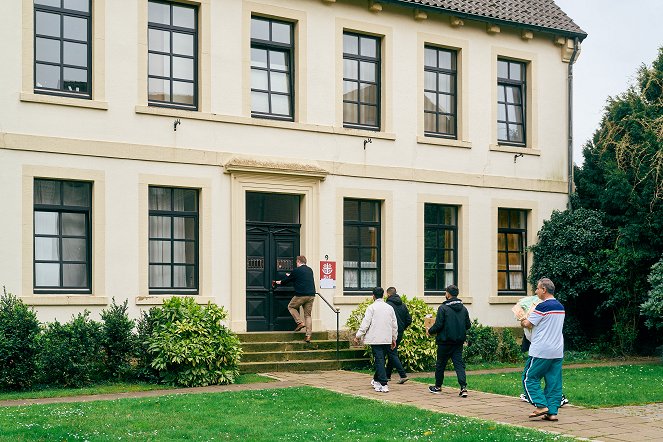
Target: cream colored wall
118,140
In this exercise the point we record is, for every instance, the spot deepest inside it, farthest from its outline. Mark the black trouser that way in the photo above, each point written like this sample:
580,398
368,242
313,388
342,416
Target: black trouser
379,354
455,352
393,361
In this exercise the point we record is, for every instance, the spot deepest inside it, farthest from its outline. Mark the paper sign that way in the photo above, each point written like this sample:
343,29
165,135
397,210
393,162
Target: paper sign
327,274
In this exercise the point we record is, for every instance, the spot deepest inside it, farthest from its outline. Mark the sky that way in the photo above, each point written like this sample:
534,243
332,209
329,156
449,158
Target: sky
623,34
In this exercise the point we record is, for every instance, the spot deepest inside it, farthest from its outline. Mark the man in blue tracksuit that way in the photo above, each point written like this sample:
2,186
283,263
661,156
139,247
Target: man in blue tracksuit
546,352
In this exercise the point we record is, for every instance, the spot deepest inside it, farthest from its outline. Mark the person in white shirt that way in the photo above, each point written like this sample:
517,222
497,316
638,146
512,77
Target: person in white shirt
379,329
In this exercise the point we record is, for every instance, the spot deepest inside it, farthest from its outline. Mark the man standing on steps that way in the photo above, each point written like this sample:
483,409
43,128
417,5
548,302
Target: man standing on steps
404,320
451,325
380,330
304,285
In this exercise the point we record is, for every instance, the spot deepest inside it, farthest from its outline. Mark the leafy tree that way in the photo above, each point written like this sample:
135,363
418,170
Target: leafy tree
652,308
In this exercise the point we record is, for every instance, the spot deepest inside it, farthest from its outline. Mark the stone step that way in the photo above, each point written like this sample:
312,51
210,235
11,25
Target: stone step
266,367
281,336
304,355
255,347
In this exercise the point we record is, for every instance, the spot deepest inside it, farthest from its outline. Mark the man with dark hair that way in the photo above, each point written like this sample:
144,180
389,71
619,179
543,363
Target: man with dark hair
451,325
546,352
404,320
379,330
304,285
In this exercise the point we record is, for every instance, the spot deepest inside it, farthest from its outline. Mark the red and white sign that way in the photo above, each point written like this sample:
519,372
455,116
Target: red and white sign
327,274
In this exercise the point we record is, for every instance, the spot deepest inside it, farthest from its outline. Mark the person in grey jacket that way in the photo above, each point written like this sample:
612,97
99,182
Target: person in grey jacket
450,328
404,320
379,330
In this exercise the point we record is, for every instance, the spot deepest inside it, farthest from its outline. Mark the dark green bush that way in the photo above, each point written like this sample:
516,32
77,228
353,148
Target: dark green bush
118,341
144,328
19,329
508,349
70,353
190,346
482,344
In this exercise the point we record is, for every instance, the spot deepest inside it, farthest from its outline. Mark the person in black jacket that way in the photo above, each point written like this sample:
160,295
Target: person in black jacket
451,325
304,285
404,320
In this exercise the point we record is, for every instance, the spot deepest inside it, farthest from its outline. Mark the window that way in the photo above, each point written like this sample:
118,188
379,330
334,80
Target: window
172,67
62,236
272,69
361,81
511,251
173,235
361,244
440,247
63,47
439,92
511,102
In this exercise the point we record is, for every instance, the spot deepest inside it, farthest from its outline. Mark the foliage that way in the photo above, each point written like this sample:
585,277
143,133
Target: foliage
144,328
118,342
482,344
190,346
508,349
652,308
19,329
70,353
417,351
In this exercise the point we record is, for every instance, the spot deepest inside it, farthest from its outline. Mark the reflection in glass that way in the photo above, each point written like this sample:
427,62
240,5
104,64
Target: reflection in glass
47,49
259,29
75,28
73,249
350,44
281,104
259,102
47,76
47,192
183,44
158,13
77,5
159,65
280,32
182,92
73,224
184,17
47,24
159,40
350,91
258,58
182,68
279,82
47,274
75,80
75,54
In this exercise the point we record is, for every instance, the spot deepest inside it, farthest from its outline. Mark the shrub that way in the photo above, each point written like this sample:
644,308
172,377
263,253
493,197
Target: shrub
190,346
417,351
144,328
508,349
482,344
19,329
118,341
652,308
71,353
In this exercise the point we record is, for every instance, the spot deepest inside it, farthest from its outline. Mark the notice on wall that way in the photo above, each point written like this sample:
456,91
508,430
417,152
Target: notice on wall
327,274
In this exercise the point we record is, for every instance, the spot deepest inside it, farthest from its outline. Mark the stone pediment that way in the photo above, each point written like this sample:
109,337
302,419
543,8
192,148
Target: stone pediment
273,166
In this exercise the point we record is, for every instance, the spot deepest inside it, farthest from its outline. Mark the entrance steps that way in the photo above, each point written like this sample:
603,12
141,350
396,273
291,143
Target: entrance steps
287,351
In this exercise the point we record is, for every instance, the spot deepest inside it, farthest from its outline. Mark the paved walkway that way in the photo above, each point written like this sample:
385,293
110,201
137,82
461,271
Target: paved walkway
608,425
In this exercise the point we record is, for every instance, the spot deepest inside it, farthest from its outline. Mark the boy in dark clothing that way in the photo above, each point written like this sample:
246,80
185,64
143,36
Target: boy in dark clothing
404,320
302,280
451,325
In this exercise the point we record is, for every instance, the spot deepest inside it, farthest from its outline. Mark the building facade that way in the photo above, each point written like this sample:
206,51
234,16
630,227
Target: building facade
153,148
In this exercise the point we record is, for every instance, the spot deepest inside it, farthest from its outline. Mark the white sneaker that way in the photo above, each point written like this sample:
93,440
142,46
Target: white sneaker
378,387
384,388
523,397
374,384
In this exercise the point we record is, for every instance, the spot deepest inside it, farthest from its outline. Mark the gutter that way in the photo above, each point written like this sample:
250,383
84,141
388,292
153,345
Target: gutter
570,122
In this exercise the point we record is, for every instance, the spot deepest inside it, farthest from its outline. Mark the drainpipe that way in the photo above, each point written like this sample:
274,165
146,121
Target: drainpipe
570,123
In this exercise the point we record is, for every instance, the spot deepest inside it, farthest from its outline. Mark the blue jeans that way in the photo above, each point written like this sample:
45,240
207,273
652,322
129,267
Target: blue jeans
379,354
551,371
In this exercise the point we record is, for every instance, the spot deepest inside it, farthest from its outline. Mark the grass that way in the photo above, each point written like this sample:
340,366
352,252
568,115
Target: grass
289,414
110,388
592,387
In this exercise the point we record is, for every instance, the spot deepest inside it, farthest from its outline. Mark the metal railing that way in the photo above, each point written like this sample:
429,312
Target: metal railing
338,312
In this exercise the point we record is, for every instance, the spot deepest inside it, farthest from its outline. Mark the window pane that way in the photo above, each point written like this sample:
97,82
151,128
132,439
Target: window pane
75,28
513,242
449,215
259,102
73,249
503,218
182,92
502,69
368,93
185,200
367,71
514,113
184,228
351,236
159,65
351,210
259,79
368,47
281,32
159,227
47,192
500,93
430,213
430,57
46,223
184,252
501,281
369,279
448,241
430,81
47,24
75,80
350,278
75,54
183,44
47,249
158,40
516,133
47,76
368,115
517,219
281,104
446,124
279,82
74,275
158,89
47,275
47,49
501,112
501,131
369,211
56,3
160,198
445,83
159,276
513,95
515,71
501,241
446,61
73,224
158,13
351,69
182,68
429,101
350,113
258,58
181,277
184,17
350,91
77,5
445,103
278,60
351,257
76,193
429,122
259,29
159,251
350,44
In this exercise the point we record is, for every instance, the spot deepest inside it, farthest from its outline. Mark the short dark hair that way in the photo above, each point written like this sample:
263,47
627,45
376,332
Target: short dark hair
391,291
302,259
452,290
378,292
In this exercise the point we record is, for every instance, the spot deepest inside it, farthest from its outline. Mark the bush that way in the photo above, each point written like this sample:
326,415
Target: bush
71,353
652,308
482,344
417,351
19,329
508,349
118,341
144,328
189,345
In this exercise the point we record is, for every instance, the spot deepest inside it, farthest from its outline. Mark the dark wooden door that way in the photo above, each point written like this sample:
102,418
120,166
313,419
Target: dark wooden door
271,250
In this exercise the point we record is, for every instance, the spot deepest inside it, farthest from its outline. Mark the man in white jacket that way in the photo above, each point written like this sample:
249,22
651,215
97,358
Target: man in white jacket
379,330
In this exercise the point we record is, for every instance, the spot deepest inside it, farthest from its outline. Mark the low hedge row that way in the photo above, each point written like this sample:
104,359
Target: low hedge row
179,343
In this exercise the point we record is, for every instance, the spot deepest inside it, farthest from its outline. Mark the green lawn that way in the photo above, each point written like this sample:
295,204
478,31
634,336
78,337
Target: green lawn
290,414
110,388
589,387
